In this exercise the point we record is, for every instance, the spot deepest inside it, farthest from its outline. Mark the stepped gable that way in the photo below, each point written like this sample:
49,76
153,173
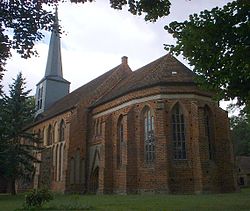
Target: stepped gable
166,70
87,92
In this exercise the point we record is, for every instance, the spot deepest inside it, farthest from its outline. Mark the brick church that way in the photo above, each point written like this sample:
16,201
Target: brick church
149,130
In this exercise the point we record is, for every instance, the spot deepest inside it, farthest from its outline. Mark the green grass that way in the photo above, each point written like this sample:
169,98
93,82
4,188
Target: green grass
213,202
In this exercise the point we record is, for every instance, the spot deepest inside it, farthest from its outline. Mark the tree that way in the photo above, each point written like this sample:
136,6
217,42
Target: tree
27,19
240,127
17,145
217,44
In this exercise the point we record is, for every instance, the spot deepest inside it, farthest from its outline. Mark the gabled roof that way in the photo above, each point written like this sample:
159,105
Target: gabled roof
86,92
166,70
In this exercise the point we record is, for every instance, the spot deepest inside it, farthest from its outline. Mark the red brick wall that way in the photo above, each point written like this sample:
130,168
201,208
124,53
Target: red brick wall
194,175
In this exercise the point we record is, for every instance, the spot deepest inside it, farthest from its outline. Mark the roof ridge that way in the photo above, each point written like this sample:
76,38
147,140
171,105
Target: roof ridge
84,93
165,70
123,67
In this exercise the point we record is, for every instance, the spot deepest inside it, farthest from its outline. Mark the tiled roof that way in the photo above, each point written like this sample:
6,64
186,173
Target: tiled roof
81,94
166,70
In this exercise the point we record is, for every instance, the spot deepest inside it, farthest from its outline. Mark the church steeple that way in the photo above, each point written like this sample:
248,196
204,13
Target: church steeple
54,61
53,86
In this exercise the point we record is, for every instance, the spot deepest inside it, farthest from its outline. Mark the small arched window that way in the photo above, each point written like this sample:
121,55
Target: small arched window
208,131
120,140
178,133
62,131
50,135
149,138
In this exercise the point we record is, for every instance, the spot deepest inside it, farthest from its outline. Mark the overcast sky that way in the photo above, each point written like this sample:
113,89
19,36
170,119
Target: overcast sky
96,38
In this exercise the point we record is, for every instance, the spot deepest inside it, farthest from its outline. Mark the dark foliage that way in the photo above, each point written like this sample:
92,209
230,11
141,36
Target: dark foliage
22,22
17,146
240,127
37,197
217,44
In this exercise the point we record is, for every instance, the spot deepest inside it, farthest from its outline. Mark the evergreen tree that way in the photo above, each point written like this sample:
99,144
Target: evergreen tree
17,146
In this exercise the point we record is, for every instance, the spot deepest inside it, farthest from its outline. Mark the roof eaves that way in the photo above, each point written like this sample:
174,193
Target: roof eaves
100,102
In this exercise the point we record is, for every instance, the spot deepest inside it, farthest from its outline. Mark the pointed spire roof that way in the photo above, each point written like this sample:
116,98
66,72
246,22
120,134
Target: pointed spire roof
54,60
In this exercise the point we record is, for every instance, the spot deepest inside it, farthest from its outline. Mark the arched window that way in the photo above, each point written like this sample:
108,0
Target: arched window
50,135
208,131
45,136
149,138
62,131
60,163
55,133
178,133
57,161
120,139
54,159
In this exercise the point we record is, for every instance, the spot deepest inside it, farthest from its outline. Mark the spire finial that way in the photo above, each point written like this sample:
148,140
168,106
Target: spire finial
56,22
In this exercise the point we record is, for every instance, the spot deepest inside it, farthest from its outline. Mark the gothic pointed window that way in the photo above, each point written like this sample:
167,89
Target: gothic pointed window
120,140
178,133
50,135
60,162
62,131
149,138
39,98
208,131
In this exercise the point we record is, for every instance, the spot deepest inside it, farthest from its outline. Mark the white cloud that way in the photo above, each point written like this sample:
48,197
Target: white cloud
98,36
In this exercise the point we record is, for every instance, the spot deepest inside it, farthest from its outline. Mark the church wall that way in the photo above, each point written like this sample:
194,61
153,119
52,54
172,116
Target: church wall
105,147
132,147
209,165
76,165
53,167
108,156
195,174
81,136
224,153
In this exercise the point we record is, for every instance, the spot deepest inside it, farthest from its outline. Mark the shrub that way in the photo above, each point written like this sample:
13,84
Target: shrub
37,197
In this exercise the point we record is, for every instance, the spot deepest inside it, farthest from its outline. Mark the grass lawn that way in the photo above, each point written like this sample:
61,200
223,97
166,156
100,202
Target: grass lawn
213,202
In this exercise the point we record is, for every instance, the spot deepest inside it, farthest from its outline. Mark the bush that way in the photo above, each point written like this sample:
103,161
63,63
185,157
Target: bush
37,197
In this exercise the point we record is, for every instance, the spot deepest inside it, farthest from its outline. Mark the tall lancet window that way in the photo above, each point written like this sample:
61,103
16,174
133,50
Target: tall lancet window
149,138
50,135
40,98
208,131
62,131
120,140
178,133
